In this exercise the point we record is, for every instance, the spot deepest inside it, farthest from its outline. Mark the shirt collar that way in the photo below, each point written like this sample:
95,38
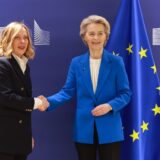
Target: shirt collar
20,60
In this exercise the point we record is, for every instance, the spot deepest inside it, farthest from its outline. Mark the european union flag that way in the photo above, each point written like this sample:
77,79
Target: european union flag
141,119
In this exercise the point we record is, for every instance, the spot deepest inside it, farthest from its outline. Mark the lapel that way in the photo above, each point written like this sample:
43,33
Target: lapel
85,69
104,71
18,70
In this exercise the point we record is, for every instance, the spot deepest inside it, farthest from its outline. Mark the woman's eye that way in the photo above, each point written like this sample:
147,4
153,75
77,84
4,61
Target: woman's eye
17,37
101,33
25,37
91,34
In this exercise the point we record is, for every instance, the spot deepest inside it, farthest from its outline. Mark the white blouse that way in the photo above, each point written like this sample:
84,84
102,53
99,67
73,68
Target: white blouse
21,61
94,69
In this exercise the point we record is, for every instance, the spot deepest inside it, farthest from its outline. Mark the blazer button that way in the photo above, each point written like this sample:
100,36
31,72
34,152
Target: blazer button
22,88
20,121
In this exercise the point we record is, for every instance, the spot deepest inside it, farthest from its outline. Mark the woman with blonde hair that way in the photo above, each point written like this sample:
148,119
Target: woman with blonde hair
16,102
99,81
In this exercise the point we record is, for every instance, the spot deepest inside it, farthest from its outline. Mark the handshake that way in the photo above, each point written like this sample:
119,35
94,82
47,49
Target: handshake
41,103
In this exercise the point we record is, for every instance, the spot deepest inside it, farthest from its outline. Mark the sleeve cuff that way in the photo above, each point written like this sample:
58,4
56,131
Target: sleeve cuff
37,102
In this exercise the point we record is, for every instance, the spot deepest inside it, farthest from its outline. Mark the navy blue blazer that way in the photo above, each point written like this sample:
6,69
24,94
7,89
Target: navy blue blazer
112,88
16,105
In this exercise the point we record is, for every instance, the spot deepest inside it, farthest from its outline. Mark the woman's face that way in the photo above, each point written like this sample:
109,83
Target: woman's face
95,36
20,42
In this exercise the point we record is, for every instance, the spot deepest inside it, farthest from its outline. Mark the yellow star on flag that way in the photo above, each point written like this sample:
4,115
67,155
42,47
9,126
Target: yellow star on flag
156,110
144,126
134,135
154,69
129,49
158,88
142,53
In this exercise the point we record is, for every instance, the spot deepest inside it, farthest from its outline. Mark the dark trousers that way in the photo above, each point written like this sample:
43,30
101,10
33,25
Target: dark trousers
4,156
109,151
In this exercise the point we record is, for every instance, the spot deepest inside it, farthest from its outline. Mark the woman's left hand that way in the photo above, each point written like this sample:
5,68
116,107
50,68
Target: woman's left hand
101,109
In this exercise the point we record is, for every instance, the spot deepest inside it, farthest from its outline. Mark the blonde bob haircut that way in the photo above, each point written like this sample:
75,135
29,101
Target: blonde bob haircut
96,20
8,35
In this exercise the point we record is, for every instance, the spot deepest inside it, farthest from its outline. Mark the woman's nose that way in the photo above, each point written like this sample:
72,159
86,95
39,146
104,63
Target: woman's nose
22,40
95,36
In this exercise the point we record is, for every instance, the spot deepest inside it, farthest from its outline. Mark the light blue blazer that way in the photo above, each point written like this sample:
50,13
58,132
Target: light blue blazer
112,88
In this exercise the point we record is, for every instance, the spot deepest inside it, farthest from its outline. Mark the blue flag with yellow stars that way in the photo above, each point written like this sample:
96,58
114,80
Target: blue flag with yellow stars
141,118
